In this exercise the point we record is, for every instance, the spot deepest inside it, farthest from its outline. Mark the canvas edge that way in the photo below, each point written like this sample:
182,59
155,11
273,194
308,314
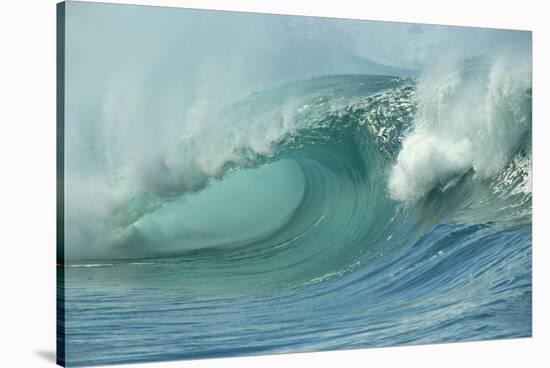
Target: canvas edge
60,183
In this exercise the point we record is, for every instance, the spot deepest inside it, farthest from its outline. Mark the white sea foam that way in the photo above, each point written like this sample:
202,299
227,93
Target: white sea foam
91,265
472,114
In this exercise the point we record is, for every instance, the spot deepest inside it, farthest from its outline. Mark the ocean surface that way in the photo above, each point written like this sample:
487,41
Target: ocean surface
340,212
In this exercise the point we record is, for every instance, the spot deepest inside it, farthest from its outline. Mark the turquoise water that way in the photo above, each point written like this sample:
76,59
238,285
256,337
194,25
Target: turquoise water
358,225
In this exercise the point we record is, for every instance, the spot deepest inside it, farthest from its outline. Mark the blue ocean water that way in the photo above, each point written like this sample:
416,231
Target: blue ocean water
360,225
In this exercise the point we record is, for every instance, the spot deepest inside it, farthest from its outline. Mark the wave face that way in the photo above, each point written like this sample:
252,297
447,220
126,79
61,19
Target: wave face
339,212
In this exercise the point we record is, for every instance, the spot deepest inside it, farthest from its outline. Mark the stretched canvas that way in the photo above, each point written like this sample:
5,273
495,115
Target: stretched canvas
237,184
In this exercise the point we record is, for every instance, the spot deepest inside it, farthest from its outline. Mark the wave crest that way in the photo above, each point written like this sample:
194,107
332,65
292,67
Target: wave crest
345,133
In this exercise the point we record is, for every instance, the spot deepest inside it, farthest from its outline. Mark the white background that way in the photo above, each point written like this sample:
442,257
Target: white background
27,179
